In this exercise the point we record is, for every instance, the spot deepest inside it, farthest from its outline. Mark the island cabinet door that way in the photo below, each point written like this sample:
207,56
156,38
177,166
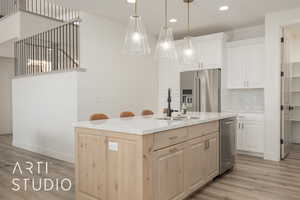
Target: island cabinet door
212,156
90,167
195,165
168,174
124,169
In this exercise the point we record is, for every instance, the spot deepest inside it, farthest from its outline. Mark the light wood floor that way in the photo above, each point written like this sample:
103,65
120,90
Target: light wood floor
252,178
295,153
9,155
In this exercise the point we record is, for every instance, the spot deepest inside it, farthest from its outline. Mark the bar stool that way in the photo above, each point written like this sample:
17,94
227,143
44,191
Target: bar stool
147,112
98,116
126,114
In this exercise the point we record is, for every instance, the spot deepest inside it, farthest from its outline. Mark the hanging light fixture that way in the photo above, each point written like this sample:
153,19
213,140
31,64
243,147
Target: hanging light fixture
165,47
188,51
136,40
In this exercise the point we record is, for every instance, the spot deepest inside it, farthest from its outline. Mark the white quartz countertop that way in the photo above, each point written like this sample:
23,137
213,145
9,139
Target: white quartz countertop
150,124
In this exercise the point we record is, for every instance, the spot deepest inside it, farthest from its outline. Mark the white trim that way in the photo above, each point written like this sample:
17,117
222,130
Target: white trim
252,41
44,151
50,73
214,36
249,153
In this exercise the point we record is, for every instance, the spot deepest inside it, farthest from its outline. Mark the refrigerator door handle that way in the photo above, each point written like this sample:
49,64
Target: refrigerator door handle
199,95
195,92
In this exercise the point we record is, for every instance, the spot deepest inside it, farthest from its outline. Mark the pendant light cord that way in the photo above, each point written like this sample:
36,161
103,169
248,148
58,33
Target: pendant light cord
135,8
166,13
189,29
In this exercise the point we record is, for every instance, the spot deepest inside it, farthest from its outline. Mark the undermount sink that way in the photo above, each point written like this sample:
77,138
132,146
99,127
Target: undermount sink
179,118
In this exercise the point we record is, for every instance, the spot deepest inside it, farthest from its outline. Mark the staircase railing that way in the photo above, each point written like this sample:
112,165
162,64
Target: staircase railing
44,8
51,51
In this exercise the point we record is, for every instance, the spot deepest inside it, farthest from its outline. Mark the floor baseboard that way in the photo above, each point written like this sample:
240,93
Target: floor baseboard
44,151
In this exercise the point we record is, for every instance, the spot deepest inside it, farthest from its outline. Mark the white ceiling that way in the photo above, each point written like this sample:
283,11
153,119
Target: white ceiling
206,17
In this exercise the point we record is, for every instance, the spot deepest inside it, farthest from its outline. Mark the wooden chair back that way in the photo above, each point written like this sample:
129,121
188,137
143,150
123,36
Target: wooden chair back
98,116
126,114
147,112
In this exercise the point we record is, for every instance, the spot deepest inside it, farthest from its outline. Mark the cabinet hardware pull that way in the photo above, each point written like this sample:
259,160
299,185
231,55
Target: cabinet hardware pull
206,144
173,138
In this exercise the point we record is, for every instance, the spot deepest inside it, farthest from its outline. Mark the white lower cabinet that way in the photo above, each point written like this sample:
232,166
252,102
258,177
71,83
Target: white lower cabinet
250,134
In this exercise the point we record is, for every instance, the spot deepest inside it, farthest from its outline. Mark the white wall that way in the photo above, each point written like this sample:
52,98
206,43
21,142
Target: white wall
31,24
6,74
10,28
274,23
44,108
19,26
23,24
114,81
7,49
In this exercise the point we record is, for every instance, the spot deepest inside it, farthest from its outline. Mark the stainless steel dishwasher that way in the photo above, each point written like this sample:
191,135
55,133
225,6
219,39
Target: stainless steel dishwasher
227,144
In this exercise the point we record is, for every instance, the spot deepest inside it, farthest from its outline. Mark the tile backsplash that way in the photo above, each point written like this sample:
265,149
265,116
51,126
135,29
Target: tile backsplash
251,100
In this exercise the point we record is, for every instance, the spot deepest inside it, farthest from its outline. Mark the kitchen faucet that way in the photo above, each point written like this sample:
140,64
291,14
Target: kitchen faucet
170,111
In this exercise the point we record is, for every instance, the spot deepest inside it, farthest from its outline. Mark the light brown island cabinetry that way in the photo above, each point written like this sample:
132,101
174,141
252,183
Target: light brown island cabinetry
167,165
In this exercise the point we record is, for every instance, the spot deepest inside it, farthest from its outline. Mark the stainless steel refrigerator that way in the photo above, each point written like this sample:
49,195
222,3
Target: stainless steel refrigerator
201,90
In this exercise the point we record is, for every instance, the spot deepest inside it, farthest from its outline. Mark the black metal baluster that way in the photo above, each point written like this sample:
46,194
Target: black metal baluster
73,37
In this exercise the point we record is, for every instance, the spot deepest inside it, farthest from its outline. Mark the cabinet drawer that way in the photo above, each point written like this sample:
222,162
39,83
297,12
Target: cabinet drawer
167,138
203,129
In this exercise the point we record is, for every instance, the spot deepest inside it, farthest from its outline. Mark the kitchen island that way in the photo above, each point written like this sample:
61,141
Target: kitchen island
146,158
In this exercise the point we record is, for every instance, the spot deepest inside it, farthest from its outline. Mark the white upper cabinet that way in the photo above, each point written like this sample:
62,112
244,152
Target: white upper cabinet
236,70
246,64
210,50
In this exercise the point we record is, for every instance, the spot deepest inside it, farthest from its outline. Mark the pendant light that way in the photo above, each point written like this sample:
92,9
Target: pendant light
188,51
165,47
136,39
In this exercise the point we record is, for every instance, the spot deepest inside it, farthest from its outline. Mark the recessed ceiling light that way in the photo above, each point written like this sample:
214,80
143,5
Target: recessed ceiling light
173,20
130,1
224,8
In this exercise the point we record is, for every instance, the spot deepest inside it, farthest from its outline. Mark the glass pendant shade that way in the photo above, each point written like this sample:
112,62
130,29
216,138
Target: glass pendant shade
165,47
136,40
188,52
